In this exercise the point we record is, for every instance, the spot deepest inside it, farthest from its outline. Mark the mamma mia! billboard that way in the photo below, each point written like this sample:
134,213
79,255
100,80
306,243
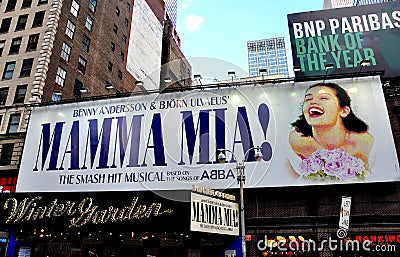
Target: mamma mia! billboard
346,36
333,133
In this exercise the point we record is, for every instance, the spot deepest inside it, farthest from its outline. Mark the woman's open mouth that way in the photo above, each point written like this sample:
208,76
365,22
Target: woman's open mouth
315,112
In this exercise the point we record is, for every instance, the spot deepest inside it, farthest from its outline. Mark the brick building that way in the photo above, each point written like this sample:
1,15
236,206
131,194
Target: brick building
57,51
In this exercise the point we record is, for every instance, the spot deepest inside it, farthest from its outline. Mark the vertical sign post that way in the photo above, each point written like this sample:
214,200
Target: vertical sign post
344,222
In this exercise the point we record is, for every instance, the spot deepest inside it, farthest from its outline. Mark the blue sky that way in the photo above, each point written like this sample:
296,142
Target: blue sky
220,28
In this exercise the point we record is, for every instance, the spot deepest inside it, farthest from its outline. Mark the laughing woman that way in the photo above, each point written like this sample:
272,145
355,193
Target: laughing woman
333,143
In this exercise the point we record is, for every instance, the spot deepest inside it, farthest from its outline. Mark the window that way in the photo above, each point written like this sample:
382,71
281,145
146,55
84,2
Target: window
9,70
89,22
38,19
13,123
26,3
60,77
26,68
115,29
77,88
92,5
65,51
6,154
81,64
42,2
11,5
2,43
124,38
74,8
5,25
110,66
21,23
32,42
128,7
3,95
122,56
126,22
117,11
15,45
70,30
20,94
120,74
85,43
112,46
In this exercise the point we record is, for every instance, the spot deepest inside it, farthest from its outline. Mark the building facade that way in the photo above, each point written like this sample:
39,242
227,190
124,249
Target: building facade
54,51
267,57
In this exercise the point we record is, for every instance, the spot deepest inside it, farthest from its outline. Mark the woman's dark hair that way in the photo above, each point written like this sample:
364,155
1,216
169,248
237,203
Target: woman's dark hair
351,121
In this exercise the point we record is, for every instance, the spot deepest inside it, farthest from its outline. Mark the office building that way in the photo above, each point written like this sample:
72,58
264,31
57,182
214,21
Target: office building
329,4
267,57
171,7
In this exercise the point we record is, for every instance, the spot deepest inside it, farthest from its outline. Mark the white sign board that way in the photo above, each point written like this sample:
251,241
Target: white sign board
344,221
213,215
171,141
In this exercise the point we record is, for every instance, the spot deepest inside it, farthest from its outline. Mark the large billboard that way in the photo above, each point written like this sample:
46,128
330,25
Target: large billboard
344,37
171,141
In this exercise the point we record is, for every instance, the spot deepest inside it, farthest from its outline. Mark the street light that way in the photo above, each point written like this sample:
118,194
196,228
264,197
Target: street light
241,178
328,66
366,62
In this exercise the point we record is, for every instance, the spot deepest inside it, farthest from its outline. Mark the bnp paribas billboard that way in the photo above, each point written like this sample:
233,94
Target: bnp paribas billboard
344,37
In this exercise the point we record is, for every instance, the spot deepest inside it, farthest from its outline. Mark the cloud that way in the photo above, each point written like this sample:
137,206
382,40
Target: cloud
186,4
193,22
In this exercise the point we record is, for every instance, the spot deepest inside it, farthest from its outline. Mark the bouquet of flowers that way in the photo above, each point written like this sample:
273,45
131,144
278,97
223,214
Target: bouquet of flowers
328,165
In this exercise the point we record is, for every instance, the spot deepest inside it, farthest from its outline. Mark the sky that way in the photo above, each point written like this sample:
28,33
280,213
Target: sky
216,31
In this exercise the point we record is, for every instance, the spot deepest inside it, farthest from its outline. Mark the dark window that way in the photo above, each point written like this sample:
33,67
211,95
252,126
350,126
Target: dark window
2,44
117,11
126,22
77,88
120,74
21,23
5,25
110,66
15,45
92,5
26,68
115,29
122,56
124,38
82,64
85,43
8,70
13,123
6,154
32,42
38,19
26,3
112,46
128,7
11,5
3,95
20,94
42,2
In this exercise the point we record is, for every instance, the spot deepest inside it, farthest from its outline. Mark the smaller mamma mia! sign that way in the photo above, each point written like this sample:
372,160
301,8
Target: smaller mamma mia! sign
213,215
